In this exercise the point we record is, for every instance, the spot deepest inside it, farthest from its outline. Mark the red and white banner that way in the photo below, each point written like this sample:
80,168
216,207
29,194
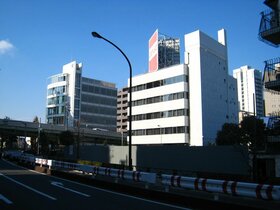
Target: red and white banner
153,52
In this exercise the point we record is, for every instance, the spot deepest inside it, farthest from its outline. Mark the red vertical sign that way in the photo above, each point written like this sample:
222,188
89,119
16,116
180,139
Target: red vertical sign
153,52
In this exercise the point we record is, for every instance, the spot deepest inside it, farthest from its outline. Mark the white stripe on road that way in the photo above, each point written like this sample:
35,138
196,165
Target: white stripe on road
125,195
30,188
107,191
60,185
6,200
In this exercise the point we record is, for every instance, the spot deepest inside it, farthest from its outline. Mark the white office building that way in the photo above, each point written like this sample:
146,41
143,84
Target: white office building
250,91
186,103
73,100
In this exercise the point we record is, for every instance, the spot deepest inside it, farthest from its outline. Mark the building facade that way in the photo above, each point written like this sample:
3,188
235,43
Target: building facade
271,102
250,91
122,104
212,92
160,107
186,103
73,100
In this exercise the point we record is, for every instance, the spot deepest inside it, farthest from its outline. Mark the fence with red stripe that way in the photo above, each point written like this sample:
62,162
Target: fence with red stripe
260,191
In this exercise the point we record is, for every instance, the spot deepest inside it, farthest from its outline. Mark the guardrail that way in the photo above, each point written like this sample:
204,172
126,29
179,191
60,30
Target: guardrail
253,190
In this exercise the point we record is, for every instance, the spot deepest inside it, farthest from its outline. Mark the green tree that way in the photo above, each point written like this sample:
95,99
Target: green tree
253,132
36,119
44,142
229,135
66,138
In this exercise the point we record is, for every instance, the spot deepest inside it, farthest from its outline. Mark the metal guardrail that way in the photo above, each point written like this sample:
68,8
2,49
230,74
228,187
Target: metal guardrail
253,190
243,189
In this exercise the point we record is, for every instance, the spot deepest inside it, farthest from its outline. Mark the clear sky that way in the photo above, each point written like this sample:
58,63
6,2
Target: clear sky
37,37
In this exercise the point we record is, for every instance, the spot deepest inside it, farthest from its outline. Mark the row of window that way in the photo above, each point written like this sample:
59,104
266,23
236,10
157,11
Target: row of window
57,100
99,100
55,120
99,90
56,110
98,109
157,99
57,90
93,119
164,114
161,131
57,78
158,83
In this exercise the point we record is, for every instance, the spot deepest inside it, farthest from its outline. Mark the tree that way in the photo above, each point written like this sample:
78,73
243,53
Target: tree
66,138
36,119
229,135
253,132
44,142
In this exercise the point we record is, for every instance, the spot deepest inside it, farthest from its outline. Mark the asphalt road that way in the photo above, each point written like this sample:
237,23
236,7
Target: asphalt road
27,190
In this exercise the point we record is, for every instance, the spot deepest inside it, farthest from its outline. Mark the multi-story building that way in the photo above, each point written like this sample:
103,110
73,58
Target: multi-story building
160,107
186,103
212,92
122,104
74,100
250,91
269,32
164,51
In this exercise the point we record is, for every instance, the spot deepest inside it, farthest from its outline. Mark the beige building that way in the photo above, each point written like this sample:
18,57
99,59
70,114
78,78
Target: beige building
271,102
122,103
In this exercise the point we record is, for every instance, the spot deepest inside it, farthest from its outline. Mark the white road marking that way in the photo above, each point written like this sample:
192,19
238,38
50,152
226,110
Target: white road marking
125,195
30,188
6,200
107,191
60,185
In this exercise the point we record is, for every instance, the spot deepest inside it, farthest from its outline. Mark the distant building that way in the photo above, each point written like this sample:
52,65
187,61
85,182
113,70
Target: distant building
164,51
250,91
122,104
186,103
73,100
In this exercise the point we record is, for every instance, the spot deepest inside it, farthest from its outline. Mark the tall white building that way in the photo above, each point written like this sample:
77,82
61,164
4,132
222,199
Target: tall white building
186,103
73,99
250,91
212,91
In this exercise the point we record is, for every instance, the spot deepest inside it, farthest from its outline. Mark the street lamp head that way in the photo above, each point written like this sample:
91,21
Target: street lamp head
95,34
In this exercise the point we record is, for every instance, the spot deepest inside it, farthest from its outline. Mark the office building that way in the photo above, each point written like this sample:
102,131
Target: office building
73,100
186,103
250,91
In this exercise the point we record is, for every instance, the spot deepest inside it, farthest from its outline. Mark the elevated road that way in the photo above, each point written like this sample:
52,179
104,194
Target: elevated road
24,128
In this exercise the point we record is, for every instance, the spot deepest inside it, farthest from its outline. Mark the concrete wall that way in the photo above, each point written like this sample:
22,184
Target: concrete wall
182,159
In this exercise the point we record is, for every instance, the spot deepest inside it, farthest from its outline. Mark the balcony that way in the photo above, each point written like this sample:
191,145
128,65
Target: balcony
269,30
271,75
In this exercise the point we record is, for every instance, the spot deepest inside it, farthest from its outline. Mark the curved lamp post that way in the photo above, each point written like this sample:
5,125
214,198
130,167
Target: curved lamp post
96,35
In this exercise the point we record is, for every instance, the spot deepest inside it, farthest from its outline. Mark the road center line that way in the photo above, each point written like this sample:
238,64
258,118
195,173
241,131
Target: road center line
6,200
30,188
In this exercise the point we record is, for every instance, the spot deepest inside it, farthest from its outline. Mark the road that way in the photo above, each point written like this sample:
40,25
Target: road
26,189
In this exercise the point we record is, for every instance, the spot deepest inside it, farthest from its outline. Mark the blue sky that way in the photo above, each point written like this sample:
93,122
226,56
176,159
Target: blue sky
37,37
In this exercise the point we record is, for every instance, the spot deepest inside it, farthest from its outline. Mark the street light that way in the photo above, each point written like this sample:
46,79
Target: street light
96,35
